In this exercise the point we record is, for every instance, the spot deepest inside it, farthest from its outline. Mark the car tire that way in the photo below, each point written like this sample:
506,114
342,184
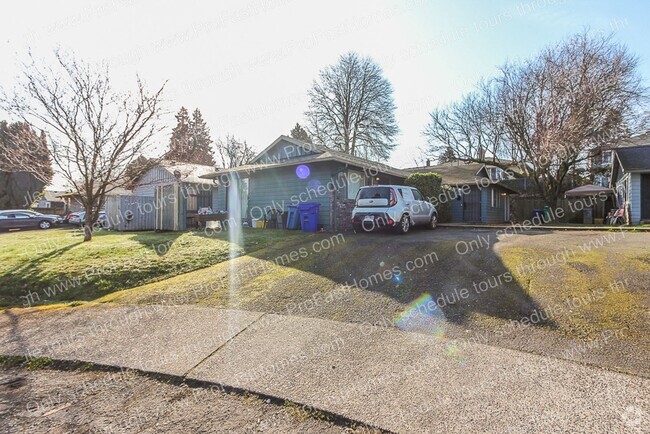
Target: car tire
404,225
433,223
44,224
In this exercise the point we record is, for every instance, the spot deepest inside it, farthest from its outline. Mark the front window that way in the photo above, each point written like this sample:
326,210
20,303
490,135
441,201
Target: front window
356,180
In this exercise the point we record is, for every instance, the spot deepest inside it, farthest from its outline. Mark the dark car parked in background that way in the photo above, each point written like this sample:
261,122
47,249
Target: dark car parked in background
23,219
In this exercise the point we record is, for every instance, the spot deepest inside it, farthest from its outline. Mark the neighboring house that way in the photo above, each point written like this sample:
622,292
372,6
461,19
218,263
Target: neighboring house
479,193
198,192
631,180
72,200
602,167
50,202
290,171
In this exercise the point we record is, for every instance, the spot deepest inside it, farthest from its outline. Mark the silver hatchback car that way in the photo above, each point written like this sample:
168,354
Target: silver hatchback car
392,206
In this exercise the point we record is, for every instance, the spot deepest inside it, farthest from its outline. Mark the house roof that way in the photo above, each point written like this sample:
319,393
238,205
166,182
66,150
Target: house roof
187,172
52,195
634,158
114,192
321,154
454,173
458,173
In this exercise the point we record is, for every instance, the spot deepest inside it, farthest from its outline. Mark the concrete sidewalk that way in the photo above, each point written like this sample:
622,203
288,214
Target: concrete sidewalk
399,381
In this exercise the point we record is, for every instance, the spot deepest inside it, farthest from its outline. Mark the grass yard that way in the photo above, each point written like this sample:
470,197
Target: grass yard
506,281
46,267
575,294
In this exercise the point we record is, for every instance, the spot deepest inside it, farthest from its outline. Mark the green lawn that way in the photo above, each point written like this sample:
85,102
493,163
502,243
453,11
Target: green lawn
56,266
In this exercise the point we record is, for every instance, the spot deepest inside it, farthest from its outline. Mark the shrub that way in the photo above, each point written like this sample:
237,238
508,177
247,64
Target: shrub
430,185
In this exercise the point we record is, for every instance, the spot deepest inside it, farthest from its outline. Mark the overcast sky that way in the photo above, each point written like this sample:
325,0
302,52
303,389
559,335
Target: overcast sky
248,64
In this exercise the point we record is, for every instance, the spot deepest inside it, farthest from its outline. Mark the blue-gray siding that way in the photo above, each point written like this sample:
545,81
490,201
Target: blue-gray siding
278,188
490,214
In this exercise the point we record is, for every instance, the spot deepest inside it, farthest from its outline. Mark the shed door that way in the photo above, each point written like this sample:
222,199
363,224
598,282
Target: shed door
645,197
472,206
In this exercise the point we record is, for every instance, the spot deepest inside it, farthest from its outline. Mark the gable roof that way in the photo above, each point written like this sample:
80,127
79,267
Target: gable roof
634,158
304,145
320,154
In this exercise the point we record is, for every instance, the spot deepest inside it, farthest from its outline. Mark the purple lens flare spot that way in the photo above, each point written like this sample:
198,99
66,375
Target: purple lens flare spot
302,171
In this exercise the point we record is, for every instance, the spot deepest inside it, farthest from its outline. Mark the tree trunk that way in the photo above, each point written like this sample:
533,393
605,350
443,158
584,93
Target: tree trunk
88,230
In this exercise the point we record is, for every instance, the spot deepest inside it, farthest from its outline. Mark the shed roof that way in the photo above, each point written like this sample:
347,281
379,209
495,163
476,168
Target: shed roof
188,172
588,190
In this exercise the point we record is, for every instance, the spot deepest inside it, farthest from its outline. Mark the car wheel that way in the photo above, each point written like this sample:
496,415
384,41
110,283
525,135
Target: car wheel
433,223
45,224
404,225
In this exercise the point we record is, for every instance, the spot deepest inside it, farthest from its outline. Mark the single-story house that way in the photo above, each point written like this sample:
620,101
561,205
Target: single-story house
50,202
478,193
630,180
290,172
73,203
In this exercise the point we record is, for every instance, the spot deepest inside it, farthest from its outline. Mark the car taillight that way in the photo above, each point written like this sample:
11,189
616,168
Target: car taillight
393,198
391,222
352,220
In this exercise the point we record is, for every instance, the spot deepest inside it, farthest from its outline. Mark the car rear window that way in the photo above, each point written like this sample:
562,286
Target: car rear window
374,193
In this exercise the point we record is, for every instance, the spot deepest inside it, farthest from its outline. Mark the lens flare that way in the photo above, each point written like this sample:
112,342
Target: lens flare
421,315
302,171
313,184
424,315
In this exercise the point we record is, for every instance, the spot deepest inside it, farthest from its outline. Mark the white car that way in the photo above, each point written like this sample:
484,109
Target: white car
76,218
392,206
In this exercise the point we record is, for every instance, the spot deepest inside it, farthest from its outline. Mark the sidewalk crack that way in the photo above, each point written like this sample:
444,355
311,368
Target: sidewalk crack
224,344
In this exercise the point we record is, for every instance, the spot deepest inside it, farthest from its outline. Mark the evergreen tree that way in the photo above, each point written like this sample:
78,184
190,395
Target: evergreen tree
179,143
447,156
298,132
190,140
201,151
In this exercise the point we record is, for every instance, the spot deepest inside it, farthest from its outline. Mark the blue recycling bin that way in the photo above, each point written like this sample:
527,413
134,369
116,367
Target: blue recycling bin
292,217
309,216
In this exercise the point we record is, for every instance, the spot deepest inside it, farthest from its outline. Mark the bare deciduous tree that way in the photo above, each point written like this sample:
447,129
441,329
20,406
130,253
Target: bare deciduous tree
94,131
351,108
471,128
551,113
233,152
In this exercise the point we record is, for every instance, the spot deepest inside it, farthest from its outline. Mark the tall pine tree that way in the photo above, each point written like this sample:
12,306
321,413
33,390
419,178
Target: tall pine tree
179,143
447,156
201,141
298,132
190,140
